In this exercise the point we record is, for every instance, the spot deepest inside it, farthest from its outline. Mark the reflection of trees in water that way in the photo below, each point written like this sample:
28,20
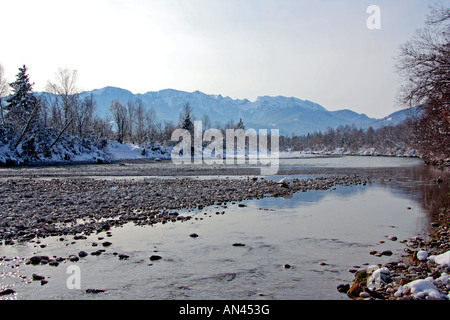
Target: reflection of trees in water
426,184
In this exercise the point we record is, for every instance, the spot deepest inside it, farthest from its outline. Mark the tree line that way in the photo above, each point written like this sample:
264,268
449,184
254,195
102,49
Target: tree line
387,140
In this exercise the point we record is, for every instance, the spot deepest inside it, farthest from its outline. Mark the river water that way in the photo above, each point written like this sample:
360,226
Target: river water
320,234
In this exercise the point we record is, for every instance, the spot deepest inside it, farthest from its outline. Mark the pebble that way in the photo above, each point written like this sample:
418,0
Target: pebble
82,254
155,258
37,277
95,291
7,292
238,244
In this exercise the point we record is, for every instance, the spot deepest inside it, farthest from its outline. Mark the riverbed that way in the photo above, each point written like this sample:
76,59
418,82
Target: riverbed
288,245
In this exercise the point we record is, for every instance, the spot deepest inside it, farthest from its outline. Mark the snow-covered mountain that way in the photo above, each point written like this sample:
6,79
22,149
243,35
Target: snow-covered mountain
288,114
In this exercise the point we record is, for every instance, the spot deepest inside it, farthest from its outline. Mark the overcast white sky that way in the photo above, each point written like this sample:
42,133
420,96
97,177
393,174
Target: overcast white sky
317,50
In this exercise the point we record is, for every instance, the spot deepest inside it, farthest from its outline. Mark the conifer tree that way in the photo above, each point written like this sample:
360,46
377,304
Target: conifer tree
22,103
186,118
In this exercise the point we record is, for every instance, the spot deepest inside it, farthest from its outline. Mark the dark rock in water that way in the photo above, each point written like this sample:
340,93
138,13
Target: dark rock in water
73,258
82,254
95,290
38,259
193,235
287,266
343,288
435,224
123,256
43,282
53,263
106,244
241,205
238,244
155,257
37,277
386,253
6,292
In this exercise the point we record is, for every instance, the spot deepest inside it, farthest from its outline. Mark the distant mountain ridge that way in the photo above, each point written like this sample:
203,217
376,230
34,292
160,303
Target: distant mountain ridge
288,114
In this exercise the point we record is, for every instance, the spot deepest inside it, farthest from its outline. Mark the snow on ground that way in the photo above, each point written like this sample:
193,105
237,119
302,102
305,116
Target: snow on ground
73,149
129,151
442,259
426,288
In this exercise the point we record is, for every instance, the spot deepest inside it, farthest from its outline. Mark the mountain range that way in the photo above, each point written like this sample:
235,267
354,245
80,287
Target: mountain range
288,114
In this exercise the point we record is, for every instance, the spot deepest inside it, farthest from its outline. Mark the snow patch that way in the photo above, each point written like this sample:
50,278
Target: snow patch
442,259
422,289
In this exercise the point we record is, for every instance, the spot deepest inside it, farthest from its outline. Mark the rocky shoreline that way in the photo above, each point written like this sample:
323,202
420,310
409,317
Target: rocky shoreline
36,208
422,273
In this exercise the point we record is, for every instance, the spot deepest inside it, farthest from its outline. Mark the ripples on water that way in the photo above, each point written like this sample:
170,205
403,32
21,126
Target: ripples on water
320,234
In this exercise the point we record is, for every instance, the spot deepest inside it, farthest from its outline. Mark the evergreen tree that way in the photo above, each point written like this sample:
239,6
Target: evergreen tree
186,118
240,125
22,103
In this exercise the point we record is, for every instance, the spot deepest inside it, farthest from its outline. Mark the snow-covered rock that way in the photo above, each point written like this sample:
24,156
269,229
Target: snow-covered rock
379,278
442,259
421,289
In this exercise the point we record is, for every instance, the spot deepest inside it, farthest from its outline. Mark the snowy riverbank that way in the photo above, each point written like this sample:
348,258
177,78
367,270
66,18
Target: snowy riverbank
75,150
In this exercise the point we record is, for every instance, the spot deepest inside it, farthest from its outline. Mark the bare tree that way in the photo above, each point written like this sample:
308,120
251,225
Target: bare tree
424,61
120,115
84,114
4,89
131,113
65,88
152,128
141,134
424,64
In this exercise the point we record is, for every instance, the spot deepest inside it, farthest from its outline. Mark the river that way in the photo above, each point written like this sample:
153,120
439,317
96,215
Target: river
295,248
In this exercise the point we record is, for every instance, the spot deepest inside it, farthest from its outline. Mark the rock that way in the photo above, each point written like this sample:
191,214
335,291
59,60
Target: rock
386,253
7,292
238,244
193,235
241,205
82,254
73,258
53,263
155,258
422,255
106,244
37,277
343,288
379,278
393,238
287,266
43,282
123,256
95,291
435,224
38,259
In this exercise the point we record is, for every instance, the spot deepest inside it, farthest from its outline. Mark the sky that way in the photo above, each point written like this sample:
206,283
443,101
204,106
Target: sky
317,50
